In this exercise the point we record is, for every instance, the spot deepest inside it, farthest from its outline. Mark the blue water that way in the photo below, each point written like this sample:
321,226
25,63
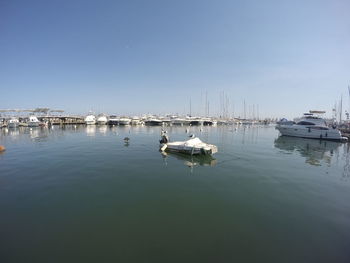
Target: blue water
81,194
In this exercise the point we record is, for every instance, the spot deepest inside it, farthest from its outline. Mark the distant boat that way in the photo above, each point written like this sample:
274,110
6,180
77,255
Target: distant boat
284,121
113,120
196,121
13,123
102,119
124,121
154,122
310,126
135,120
180,121
209,122
33,121
90,119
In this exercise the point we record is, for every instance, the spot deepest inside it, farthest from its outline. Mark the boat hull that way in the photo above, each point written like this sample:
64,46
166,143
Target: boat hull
33,124
13,124
322,133
154,123
90,122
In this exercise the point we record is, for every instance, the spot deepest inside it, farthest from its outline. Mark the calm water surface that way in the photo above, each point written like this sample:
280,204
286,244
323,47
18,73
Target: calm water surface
83,195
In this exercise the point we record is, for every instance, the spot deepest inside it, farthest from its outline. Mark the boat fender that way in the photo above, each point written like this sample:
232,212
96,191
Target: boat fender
2,148
203,151
321,136
326,134
192,150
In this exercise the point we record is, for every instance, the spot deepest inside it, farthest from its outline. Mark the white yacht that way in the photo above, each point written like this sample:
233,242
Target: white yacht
180,121
310,126
102,119
13,123
113,120
135,120
33,121
90,119
124,121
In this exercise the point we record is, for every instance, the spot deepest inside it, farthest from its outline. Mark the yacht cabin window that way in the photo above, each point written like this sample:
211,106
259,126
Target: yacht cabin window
305,123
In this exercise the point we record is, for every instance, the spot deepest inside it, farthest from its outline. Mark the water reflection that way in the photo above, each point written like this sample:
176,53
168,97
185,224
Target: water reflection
91,130
314,151
191,160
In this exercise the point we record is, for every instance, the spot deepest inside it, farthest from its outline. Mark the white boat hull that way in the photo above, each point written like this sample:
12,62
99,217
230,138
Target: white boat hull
13,124
33,124
192,146
301,131
92,122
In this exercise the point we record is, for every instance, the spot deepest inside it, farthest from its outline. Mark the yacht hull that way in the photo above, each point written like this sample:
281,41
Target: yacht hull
13,124
310,132
90,122
33,124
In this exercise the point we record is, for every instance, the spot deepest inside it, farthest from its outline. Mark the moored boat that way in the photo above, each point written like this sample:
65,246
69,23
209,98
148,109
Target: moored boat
13,123
312,126
33,121
102,119
124,121
113,120
192,146
90,119
153,122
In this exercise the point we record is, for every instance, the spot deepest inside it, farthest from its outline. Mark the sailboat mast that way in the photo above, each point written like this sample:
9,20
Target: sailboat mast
341,109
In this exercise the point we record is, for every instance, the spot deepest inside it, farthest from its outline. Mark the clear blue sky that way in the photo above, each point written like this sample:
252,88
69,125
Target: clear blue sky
153,56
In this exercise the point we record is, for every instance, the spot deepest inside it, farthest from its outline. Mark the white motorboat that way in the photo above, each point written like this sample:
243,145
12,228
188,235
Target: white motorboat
135,120
193,146
310,126
209,122
124,121
102,119
33,121
180,121
153,122
113,120
13,123
90,119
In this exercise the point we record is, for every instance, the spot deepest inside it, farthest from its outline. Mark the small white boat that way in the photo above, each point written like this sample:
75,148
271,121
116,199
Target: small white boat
90,119
13,123
33,121
193,146
102,119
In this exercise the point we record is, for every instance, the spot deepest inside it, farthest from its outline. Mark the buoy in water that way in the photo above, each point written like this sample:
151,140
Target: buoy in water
126,139
2,148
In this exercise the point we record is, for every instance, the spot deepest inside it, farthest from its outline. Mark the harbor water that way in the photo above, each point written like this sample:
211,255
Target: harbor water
84,194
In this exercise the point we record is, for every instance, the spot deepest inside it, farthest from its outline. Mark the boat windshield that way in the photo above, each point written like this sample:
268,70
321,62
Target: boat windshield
305,123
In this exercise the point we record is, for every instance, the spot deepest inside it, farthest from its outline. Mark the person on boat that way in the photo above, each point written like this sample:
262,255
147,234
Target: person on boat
165,138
